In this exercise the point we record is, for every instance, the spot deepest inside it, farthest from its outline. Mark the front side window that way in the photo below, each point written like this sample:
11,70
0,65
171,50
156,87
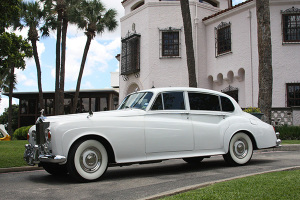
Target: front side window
136,100
293,94
200,101
291,25
223,38
169,101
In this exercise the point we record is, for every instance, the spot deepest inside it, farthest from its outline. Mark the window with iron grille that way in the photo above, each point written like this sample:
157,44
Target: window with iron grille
169,42
130,55
293,94
291,25
223,38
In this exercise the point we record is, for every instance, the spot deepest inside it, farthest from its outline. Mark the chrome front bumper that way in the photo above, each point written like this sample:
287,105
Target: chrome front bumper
33,155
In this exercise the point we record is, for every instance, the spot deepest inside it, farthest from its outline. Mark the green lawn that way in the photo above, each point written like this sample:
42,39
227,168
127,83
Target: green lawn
11,153
291,142
278,185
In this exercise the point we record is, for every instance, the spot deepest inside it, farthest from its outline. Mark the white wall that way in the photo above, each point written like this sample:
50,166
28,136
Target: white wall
238,69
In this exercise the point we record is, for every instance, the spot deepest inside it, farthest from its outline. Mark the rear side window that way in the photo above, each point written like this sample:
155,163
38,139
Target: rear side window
169,101
200,101
227,105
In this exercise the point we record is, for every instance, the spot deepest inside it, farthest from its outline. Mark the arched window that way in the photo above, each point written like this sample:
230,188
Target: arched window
137,5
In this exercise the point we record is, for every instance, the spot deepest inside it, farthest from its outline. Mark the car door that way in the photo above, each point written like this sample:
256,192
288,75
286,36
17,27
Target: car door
167,124
209,122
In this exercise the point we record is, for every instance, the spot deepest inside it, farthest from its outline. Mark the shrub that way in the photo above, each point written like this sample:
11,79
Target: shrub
289,132
21,133
252,110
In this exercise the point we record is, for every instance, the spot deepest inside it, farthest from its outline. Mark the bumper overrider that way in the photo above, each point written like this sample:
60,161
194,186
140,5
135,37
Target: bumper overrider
278,141
40,152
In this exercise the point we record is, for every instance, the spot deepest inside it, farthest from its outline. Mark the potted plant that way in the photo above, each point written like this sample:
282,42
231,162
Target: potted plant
254,111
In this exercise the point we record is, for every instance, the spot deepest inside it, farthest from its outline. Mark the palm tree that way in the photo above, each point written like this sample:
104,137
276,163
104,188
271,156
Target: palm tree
187,24
265,74
59,13
31,16
95,19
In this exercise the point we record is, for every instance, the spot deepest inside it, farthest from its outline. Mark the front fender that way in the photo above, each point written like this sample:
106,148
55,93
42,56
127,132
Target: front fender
73,135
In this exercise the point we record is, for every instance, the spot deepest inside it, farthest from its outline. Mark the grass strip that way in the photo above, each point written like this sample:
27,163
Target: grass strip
276,185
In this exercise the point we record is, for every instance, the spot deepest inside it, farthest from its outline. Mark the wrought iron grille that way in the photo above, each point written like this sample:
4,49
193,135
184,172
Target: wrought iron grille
130,56
291,25
232,91
170,43
223,38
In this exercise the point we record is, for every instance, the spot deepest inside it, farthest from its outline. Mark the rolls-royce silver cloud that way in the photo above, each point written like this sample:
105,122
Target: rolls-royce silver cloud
149,126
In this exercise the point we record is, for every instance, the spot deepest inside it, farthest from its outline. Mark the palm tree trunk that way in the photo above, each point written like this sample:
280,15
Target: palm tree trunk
39,73
11,89
84,56
62,68
186,16
57,81
265,75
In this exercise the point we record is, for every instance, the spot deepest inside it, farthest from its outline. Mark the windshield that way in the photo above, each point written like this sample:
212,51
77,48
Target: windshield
137,100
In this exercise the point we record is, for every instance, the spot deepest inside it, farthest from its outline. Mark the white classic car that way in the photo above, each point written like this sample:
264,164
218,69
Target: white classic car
149,126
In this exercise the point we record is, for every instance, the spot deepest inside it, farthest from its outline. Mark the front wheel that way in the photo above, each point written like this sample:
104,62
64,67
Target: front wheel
87,160
240,149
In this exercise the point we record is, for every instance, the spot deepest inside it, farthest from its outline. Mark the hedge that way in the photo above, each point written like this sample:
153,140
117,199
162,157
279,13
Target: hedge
288,132
21,133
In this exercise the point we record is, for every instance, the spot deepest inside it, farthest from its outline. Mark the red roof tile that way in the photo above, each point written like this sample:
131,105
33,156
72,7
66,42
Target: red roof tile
223,11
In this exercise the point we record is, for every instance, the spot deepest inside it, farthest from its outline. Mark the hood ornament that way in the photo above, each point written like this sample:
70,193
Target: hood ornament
41,118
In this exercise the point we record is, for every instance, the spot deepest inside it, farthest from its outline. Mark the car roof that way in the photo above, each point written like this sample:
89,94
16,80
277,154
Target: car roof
188,89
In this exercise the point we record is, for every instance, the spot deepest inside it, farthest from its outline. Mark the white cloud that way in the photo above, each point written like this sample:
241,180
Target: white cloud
22,79
97,58
87,85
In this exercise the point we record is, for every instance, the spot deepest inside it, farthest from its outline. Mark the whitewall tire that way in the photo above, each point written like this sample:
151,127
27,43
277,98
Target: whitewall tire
240,149
87,160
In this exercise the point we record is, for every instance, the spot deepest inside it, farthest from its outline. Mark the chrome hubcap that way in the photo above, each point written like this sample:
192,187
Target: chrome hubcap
90,160
240,148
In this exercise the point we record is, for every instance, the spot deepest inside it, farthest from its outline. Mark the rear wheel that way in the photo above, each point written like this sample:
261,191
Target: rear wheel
193,160
240,149
55,169
87,160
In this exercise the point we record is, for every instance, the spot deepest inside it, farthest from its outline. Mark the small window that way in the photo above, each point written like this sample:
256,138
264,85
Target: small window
293,94
199,101
227,105
170,42
223,38
169,101
291,25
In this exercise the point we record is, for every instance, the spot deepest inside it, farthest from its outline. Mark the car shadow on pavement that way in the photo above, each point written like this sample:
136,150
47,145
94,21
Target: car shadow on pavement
164,168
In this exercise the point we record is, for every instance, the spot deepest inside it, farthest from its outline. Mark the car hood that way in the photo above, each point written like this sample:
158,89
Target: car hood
86,116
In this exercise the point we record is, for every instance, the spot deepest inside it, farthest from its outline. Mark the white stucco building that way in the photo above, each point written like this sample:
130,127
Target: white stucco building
225,44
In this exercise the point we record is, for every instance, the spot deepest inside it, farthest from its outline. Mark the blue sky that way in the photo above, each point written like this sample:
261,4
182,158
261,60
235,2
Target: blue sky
100,61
